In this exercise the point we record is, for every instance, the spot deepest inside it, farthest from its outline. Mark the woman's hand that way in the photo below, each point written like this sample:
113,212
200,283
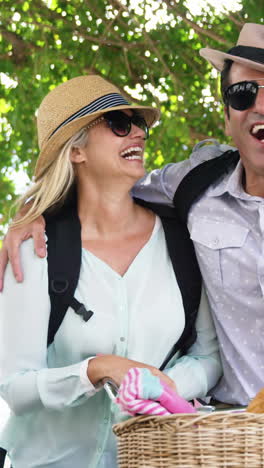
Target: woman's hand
116,367
11,244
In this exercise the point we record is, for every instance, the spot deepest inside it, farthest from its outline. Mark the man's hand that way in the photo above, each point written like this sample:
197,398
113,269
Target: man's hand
11,244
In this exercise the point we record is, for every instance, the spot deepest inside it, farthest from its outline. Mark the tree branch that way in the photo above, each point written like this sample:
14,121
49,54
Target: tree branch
20,48
197,29
154,49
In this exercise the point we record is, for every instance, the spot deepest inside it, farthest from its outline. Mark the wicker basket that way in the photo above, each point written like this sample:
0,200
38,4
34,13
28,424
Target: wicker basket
220,439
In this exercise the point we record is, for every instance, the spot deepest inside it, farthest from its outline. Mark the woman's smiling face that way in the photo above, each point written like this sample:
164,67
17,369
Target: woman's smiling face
107,155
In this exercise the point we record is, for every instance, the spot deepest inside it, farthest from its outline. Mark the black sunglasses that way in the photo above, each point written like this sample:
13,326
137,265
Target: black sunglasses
120,123
242,95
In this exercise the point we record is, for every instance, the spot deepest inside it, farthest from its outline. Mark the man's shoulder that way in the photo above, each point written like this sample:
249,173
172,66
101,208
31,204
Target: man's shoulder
208,164
159,186
206,150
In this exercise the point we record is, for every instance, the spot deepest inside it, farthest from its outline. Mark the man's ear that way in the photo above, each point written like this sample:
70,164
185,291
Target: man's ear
77,155
227,121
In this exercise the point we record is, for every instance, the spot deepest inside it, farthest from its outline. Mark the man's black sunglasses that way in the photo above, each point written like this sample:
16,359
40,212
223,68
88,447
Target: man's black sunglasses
242,95
120,123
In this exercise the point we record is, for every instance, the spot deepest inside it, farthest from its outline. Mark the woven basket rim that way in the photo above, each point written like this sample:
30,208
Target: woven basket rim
218,418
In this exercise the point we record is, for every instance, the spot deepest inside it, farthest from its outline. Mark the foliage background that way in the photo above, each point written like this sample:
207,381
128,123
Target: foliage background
148,47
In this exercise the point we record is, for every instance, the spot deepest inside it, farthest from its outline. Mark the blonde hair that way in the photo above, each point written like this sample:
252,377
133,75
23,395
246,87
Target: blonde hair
53,185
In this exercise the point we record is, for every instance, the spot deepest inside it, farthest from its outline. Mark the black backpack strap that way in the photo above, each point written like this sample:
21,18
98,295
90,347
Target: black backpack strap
186,269
64,263
2,457
187,272
199,179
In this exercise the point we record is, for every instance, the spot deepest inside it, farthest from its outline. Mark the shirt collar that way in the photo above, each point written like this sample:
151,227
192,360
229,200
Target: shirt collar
232,184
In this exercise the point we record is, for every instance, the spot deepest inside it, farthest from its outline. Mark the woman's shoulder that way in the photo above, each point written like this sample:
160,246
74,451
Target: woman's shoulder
27,252
35,280
33,267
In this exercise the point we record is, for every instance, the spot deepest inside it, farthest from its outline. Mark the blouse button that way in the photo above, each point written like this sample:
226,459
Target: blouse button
122,338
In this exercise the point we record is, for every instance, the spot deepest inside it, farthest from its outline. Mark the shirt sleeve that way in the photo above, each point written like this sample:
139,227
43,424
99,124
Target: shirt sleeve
159,186
26,382
199,370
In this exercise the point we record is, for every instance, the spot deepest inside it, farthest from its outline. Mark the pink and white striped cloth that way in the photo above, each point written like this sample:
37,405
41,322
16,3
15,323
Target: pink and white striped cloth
141,392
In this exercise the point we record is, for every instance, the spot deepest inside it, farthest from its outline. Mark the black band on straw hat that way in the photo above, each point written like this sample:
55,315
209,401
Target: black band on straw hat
104,102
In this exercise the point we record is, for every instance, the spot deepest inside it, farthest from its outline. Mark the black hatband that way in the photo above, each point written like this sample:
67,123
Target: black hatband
256,54
104,102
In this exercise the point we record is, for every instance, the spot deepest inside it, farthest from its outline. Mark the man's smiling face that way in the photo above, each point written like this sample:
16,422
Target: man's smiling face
247,127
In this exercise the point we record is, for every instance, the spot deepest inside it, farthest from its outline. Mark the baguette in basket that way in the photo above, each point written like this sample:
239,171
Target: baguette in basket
257,404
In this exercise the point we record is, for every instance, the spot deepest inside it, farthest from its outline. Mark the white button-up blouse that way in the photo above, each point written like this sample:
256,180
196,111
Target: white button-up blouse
58,419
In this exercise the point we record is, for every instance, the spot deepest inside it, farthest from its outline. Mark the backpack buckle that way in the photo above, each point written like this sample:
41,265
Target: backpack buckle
80,309
86,314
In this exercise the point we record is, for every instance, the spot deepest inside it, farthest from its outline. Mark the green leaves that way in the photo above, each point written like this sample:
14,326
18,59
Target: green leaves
147,46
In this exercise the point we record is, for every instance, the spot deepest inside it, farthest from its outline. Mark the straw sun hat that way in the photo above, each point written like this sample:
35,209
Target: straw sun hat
72,105
249,50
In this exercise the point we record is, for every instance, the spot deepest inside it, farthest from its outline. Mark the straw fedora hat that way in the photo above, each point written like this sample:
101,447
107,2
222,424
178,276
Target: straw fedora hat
72,105
249,50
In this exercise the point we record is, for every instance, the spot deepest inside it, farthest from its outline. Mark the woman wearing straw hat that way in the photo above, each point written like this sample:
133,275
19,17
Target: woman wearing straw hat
92,142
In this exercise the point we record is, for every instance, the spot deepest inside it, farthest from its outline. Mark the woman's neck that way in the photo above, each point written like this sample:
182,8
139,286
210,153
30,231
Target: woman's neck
107,212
